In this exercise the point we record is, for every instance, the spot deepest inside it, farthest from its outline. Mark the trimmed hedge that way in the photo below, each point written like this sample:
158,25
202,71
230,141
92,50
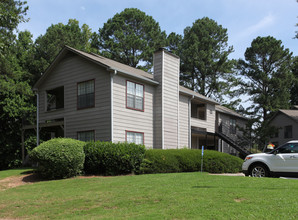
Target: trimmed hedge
59,158
187,160
107,158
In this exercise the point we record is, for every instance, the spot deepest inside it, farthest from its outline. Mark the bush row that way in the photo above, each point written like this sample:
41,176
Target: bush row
64,157
108,158
189,160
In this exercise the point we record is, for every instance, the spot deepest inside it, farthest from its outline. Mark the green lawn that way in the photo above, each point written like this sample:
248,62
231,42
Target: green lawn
14,172
159,196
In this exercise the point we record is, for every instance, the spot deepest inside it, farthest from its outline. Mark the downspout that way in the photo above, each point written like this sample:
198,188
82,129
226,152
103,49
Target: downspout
189,121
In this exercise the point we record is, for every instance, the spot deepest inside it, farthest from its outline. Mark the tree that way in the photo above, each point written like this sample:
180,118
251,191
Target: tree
56,37
204,59
15,91
11,14
130,37
268,77
174,43
294,90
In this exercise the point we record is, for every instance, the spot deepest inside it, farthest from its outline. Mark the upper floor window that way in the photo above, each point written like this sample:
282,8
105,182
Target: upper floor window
135,137
232,126
55,98
198,111
288,131
86,135
86,95
134,96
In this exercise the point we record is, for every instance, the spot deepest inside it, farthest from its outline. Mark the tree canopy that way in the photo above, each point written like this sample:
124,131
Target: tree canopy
130,37
268,79
56,37
204,55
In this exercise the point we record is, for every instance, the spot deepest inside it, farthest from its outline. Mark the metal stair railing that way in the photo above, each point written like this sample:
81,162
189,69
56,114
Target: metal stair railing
235,141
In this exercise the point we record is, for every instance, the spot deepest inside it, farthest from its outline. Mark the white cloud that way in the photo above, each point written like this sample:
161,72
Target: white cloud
83,8
262,24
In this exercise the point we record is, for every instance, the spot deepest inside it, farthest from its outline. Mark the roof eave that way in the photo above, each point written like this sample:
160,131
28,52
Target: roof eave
199,97
141,78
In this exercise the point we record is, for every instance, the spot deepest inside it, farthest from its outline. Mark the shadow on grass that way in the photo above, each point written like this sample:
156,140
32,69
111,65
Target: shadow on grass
33,178
204,187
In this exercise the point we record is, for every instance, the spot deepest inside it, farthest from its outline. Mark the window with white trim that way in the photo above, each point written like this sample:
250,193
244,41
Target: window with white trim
86,135
135,137
134,96
86,94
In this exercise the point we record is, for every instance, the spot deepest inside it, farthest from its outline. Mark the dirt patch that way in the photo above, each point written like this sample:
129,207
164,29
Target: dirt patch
239,200
14,181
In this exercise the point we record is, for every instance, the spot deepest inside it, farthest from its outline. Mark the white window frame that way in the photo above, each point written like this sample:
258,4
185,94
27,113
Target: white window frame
134,137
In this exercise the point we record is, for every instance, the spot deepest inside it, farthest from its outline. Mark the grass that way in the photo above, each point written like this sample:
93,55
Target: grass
14,172
156,196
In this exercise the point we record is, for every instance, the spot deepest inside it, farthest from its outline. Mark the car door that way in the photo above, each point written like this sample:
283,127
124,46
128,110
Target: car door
285,158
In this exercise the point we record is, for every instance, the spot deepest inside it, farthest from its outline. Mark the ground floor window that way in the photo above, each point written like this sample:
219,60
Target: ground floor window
86,135
135,137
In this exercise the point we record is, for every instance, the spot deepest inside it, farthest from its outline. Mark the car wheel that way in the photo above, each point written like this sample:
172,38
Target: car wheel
259,170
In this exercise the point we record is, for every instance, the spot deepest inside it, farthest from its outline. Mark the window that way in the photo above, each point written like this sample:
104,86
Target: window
288,148
198,111
134,96
55,98
232,126
86,94
288,131
86,136
135,137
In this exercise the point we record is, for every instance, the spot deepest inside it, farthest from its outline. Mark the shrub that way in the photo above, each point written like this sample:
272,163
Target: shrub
186,160
59,158
107,158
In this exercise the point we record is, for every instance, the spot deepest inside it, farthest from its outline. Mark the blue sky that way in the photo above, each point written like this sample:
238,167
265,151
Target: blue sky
244,19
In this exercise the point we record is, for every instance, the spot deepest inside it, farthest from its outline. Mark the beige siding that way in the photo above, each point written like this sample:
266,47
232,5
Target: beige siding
68,73
183,121
166,72
171,101
209,123
125,119
280,121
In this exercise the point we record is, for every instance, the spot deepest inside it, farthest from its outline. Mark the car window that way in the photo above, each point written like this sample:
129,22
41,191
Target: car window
288,148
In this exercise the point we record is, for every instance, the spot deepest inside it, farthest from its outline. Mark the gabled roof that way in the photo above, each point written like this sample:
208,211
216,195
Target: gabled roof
293,114
109,64
228,111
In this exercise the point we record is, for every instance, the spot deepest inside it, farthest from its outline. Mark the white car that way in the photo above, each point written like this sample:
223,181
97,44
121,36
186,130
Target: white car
282,161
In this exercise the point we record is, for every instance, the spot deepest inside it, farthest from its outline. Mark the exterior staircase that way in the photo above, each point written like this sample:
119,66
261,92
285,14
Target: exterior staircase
244,152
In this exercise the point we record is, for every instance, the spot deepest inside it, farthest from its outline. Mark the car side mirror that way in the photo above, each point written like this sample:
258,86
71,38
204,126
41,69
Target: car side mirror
275,152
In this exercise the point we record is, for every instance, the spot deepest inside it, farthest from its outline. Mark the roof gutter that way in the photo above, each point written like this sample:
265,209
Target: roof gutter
141,78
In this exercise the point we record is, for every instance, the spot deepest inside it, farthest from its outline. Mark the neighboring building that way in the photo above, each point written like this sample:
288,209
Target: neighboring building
89,97
233,125
286,121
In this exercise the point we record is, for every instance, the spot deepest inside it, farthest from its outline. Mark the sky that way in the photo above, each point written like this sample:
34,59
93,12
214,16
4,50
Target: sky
244,19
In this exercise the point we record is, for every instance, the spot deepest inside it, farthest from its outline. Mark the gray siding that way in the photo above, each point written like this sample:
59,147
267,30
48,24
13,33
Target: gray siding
280,121
125,119
68,73
158,130
183,121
